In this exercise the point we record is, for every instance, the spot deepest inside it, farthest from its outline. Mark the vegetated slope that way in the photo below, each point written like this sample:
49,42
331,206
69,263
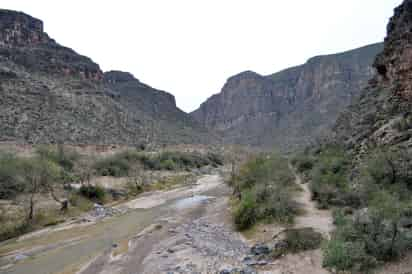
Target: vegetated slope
51,94
290,108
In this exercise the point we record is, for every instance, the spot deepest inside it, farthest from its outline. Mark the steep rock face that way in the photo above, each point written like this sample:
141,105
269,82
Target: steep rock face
49,94
18,29
155,108
393,64
23,42
382,116
291,108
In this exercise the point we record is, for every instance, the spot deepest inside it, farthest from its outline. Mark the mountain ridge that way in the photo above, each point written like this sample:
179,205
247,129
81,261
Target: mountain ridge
254,109
52,94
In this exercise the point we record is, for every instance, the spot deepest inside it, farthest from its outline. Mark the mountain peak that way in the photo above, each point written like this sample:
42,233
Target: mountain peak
116,76
248,74
19,29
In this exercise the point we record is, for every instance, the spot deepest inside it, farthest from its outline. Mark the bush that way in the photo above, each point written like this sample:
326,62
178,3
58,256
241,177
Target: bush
263,186
245,215
64,157
16,231
180,160
302,239
372,236
134,189
80,202
347,256
93,193
118,165
303,163
280,206
11,181
329,184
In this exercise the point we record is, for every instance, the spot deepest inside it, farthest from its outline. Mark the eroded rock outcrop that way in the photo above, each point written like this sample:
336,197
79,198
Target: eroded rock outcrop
382,116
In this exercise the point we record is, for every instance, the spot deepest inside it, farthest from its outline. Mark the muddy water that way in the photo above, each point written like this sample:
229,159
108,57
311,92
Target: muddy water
74,247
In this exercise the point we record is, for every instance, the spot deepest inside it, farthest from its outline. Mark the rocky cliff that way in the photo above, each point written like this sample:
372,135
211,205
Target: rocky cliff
382,117
50,93
291,108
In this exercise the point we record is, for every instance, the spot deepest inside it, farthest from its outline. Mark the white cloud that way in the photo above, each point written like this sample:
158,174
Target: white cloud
190,47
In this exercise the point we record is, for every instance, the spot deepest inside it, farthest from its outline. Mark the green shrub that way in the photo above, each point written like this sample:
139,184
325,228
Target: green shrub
280,206
303,163
118,165
329,184
182,160
215,159
93,193
263,186
302,239
168,164
64,157
13,232
372,236
347,256
80,202
115,166
11,181
245,213
134,189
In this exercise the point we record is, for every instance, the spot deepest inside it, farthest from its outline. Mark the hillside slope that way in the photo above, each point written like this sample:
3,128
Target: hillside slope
51,94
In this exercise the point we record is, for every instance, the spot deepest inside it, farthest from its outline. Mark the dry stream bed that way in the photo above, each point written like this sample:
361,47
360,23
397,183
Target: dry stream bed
184,230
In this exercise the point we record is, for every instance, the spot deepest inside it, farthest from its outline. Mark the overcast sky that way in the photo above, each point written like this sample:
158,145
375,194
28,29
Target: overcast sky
190,47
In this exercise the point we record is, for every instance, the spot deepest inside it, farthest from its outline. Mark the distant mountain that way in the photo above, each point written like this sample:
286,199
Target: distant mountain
291,108
50,94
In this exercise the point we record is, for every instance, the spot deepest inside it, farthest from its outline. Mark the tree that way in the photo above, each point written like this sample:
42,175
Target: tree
136,177
40,175
51,175
31,174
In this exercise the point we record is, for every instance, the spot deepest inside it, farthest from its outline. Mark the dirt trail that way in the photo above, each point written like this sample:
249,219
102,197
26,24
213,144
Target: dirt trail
321,221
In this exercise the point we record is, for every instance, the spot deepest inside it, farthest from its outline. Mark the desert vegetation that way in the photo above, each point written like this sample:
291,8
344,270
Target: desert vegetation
371,204
32,185
120,164
263,189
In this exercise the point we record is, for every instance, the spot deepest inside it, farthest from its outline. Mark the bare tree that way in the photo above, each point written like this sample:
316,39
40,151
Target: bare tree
84,170
137,177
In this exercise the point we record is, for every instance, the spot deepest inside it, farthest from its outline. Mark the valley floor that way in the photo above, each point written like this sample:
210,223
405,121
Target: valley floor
184,230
